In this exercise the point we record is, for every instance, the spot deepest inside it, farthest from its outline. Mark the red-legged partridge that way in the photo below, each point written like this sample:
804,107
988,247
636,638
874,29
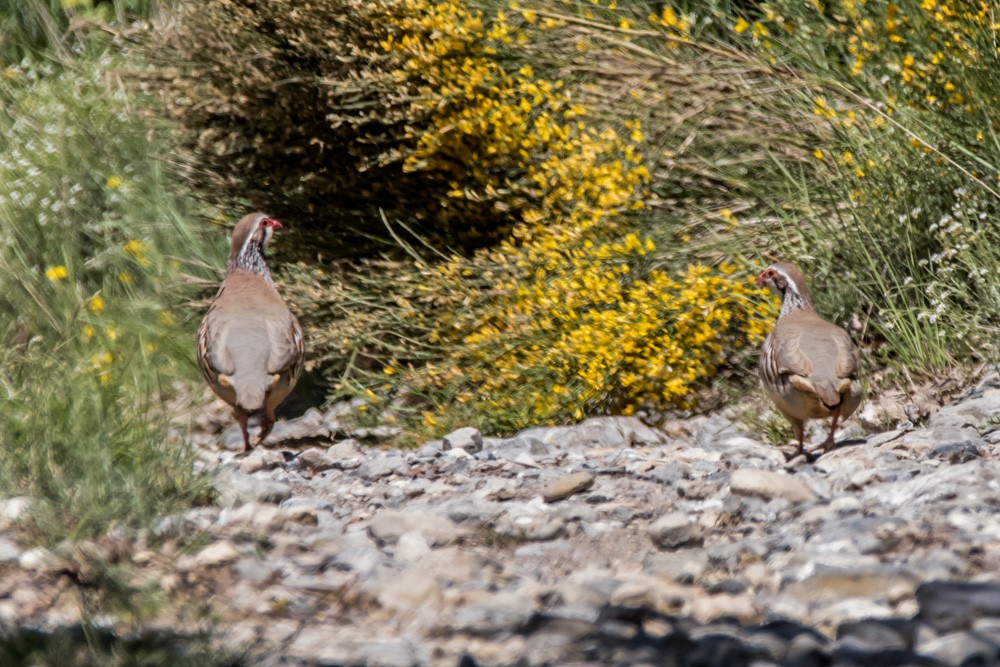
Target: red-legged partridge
808,366
250,346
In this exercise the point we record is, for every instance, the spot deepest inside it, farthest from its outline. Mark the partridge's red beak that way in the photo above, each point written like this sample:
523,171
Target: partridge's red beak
274,223
760,280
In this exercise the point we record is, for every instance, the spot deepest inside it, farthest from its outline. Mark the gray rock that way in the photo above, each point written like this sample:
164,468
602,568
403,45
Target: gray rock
314,646
263,516
382,466
597,431
683,565
353,551
467,438
261,459
256,571
214,555
310,426
345,449
675,530
566,486
316,460
766,484
235,488
520,447
880,633
961,648
430,449
495,614
10,550
40,559
955,605
389,525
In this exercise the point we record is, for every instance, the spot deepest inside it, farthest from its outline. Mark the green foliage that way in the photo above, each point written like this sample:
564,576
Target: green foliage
94,247
86,646
32,27
896,200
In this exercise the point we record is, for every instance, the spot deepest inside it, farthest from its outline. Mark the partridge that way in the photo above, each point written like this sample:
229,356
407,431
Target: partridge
808,366
250,346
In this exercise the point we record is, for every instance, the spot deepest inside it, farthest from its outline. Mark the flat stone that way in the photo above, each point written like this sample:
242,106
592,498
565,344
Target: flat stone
467,438
682,565
345,449
214,555
316,460
236,488
710,607
567,485
382,466
389,525
313,644
881,633
675,530
597,431
310,426
956,605
495,614
261,459
39,559
961,648
9,550
767,484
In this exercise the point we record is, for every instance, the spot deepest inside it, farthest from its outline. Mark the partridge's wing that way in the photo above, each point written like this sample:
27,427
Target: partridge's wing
287,345
789,337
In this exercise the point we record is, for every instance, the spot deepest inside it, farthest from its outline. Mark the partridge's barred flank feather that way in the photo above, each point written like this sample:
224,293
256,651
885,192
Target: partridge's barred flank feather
250,346
808,366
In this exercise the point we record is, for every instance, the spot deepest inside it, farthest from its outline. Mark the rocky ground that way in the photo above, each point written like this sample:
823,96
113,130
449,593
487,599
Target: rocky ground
608,542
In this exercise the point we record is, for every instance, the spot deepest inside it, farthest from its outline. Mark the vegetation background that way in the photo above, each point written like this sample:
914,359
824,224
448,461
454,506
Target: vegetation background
499,213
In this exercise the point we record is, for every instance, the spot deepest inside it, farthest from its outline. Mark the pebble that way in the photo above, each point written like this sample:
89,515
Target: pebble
697,546
220,553
468,439
566,486
388,526
675,530
768,484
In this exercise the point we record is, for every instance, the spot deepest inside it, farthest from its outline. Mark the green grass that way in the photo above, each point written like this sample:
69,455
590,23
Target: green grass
96,266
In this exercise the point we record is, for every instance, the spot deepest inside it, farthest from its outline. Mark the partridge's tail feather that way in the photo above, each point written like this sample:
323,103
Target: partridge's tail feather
828,394
250,390
825,391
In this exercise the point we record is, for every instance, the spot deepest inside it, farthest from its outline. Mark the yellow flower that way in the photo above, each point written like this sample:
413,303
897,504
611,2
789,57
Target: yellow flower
137,249
818,154
88,333
166,317
55,273
741,26
111,333
115,183
95,304
125,278
101,360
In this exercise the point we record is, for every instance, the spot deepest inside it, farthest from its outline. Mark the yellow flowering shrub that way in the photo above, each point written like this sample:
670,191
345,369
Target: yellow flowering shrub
931,53
565,316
